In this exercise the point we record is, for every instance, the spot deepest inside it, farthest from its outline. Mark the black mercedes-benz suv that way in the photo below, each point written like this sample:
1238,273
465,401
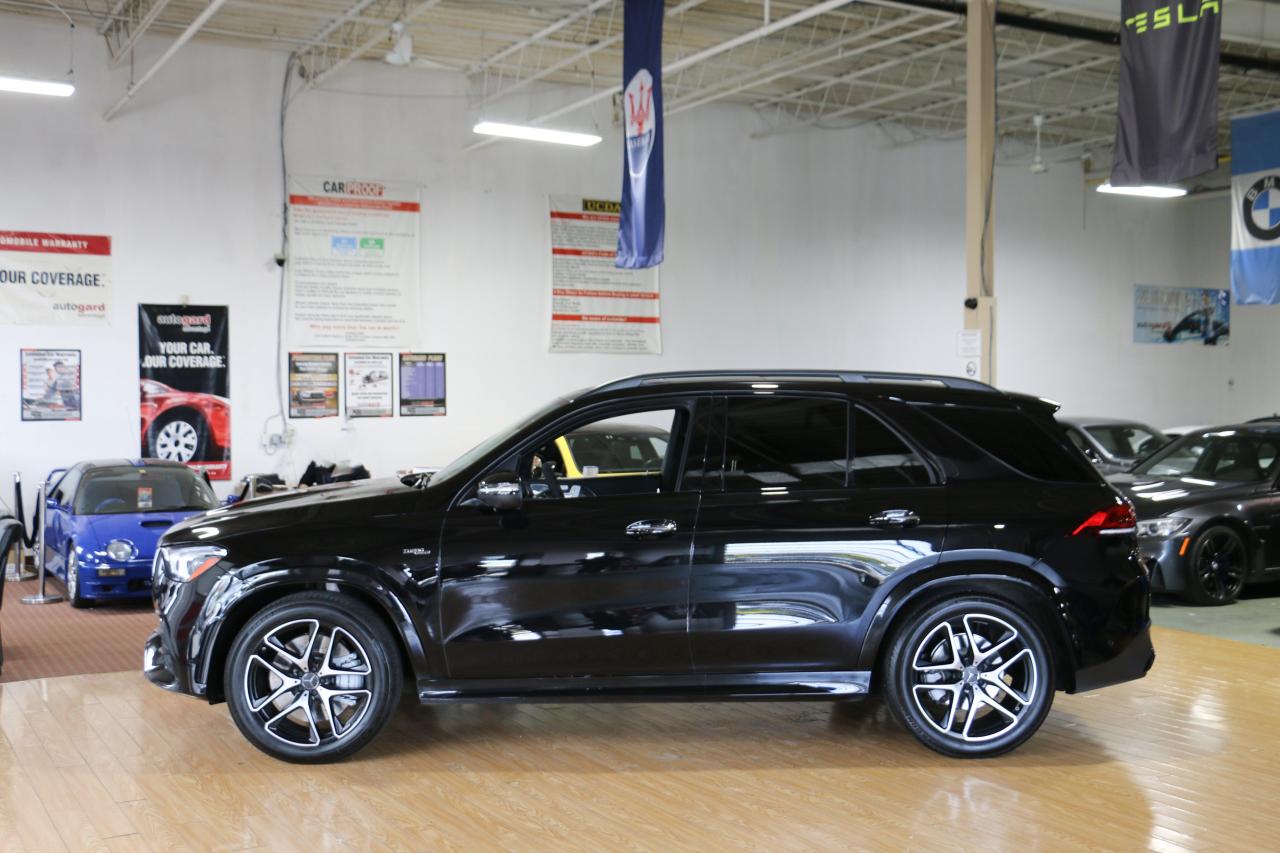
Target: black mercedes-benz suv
804,535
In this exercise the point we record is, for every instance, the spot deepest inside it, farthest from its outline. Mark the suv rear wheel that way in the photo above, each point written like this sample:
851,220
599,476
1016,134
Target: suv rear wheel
313,677
970,678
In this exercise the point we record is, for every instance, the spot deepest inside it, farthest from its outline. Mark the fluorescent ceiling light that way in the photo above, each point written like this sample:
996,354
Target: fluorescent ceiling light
537,134
1143,191
25,86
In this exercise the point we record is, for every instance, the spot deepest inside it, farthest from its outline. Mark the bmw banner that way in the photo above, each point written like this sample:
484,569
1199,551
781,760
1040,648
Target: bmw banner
1255,209
1167,111
644,213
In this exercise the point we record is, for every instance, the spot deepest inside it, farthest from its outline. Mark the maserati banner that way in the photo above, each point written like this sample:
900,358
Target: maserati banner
1167,113
644,214
1255,209
184,372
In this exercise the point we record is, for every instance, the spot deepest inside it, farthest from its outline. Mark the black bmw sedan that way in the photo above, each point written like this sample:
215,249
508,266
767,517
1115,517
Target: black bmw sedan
1208,509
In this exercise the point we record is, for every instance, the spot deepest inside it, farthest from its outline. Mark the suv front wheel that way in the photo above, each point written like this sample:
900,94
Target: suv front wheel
313,677
970,678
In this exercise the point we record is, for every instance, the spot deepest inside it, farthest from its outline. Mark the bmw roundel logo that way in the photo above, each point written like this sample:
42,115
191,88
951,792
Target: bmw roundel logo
1262,208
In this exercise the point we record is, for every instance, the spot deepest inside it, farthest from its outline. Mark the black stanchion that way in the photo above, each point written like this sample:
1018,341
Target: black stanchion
23,544
41,597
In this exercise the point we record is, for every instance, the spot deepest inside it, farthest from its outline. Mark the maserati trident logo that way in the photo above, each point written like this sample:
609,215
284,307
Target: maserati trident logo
1262,208
638,113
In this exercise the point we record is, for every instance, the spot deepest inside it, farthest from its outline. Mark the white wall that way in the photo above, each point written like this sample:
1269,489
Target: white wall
806,250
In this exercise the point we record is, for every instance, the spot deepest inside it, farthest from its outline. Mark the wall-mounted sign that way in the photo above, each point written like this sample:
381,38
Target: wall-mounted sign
353,263
184,373
369,389
422,383
1181,315
49,279
595,305
51,385
313,384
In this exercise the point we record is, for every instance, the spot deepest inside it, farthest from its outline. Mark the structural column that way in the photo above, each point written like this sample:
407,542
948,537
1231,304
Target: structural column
980,139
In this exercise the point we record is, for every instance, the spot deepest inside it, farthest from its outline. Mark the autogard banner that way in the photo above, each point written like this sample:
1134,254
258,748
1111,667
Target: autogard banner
184,368
644,214
1167,112
54,279
1255,209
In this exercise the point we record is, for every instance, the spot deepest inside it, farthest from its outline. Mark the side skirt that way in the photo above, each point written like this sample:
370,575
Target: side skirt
768,686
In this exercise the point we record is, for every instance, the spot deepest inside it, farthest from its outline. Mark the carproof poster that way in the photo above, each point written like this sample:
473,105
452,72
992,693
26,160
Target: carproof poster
1181,315
352,271
422,383
51,385
51,279
184,368
595,306
369,391
313,384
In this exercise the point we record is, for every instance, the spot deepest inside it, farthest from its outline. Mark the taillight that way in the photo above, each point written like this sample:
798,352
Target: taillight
1118,518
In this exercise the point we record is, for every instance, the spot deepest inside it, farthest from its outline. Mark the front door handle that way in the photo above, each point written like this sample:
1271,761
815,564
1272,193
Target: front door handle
894,518
652,529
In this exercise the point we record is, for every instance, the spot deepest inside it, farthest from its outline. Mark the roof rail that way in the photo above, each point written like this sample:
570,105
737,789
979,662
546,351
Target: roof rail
850,376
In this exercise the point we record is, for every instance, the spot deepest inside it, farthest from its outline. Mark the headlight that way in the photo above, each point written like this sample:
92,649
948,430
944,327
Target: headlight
121,550
188,562
1163,528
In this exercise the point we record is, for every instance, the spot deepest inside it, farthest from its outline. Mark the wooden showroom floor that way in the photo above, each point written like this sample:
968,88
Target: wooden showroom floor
1187,759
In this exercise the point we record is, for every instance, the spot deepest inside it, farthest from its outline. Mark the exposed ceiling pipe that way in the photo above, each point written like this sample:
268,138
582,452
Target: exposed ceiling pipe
550,29
118,56
187,34
685,62
420,9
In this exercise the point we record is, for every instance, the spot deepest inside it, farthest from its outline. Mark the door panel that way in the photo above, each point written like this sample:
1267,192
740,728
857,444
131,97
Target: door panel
559,588
780,581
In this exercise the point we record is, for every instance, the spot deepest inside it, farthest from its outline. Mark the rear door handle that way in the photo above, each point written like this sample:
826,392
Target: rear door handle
651,529
895,518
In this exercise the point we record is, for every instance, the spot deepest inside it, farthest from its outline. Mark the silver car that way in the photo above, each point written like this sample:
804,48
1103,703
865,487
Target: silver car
1112,445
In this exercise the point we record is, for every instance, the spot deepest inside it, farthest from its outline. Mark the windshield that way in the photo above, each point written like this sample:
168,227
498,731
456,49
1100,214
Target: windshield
1126,441
1231,455
494,441
126,489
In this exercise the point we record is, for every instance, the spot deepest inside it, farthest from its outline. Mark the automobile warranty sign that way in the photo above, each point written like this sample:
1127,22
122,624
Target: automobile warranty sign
48,278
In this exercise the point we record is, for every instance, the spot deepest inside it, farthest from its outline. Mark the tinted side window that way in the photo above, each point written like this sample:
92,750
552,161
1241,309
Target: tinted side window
880,458
786,442
1018,440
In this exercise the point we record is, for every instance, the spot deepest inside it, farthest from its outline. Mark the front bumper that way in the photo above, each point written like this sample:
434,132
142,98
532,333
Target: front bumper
132,580
1133,662
1166,561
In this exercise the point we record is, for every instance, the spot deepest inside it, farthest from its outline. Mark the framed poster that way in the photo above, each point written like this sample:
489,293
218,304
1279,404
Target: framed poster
369,392
184,373
1181,315
313,384
422,384
51,385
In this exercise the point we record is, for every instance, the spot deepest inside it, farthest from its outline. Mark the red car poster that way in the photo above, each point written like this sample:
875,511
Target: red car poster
184,371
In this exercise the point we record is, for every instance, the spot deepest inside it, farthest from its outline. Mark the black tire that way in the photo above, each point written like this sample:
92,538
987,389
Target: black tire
947,718
368,657
72,580
1218,567
179,436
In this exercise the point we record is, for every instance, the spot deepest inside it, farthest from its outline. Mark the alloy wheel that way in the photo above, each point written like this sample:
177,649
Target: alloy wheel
1220,563
177,441
973,677
308,683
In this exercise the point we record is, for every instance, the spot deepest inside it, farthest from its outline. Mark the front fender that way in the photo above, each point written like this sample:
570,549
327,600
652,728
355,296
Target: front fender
237,596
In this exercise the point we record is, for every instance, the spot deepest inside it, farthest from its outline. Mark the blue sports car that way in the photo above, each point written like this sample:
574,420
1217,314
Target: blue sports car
103,519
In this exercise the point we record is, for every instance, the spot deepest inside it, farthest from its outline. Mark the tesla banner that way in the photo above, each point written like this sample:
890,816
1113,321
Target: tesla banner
1167,112
353,263
640,231
1181,315
1255,209
54,278
595,306
184,364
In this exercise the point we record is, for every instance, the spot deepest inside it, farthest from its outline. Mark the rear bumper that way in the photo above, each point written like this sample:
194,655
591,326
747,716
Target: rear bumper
1133,662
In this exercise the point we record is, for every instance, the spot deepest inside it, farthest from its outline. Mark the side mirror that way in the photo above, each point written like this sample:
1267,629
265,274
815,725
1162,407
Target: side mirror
501,491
